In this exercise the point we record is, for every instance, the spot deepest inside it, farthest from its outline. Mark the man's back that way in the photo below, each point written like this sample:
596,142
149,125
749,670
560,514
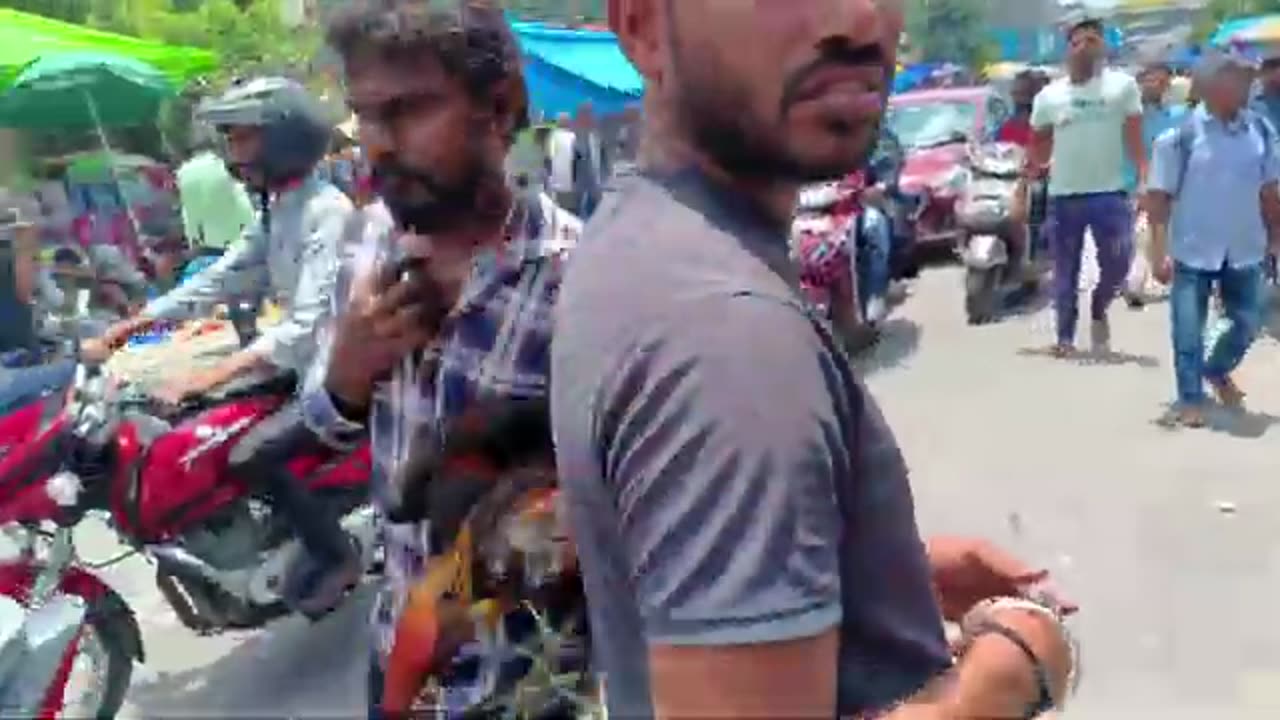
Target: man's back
215,208
688,535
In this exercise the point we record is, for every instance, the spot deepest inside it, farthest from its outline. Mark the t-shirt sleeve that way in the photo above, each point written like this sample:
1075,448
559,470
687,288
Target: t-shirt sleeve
718,447
1042,110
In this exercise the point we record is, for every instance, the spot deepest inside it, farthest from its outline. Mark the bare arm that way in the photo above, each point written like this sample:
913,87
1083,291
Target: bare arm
1163,184
788,679
1270,199
25,266
1134,146
1041,152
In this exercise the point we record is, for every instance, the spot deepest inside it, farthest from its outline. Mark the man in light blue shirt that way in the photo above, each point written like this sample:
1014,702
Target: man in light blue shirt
1158,115
1214,210
1266,98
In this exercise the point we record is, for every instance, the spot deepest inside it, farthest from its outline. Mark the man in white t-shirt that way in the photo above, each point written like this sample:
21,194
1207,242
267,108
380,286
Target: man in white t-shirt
560,151
1086,124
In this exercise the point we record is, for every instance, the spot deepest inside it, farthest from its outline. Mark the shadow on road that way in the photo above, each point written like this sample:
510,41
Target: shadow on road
1245,425
292,668
899,339
1089,358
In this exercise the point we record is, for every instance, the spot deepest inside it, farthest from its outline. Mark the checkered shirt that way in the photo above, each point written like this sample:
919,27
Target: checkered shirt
498,345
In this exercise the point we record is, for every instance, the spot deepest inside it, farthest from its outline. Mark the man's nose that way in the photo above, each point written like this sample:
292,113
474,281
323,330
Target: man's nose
861,22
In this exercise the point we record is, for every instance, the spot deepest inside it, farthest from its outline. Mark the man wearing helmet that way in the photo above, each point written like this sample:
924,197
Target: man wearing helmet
275,134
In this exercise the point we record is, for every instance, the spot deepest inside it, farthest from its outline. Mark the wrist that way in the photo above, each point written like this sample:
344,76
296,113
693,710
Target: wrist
350,398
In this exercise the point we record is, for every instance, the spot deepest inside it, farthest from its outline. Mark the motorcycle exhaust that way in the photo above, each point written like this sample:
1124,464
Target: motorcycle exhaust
184,560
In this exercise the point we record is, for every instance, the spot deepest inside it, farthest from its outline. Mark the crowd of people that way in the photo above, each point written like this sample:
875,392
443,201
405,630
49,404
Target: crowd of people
747,546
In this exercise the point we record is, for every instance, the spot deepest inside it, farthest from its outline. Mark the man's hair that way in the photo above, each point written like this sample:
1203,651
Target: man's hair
469,38
1091,24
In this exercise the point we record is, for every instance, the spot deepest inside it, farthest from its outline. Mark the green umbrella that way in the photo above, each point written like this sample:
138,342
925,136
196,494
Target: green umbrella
84,90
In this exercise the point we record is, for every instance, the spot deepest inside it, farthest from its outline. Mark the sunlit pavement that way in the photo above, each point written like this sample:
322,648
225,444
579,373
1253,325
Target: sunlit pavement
1165,538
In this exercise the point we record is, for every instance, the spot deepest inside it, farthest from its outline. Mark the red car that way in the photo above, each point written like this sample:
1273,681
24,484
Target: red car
934,126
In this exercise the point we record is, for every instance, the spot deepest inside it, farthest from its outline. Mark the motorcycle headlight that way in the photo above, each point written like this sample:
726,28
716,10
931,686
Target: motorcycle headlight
950,182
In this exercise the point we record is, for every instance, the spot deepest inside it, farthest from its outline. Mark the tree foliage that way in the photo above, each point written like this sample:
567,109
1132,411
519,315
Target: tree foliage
247,35
949,30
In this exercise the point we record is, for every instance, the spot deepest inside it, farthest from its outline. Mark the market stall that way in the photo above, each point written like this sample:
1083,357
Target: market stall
565,67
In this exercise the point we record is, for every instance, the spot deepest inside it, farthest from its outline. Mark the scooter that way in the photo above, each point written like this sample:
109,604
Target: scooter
223,557
995,244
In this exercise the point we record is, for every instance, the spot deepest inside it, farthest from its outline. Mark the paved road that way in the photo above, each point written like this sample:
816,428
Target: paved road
1061,461
1058,459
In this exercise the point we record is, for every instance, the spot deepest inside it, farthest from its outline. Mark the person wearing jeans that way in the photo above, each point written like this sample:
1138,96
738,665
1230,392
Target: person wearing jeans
1085,123
874,244
1214,210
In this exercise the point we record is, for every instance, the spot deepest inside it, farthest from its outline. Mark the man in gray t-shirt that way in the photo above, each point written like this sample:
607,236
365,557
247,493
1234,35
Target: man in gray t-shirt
741,511
725,466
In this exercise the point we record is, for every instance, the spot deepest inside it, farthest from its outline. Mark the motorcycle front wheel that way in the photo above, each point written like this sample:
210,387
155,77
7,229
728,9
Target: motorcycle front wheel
101,669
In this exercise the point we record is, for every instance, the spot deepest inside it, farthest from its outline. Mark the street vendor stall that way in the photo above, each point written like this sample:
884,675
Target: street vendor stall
565,67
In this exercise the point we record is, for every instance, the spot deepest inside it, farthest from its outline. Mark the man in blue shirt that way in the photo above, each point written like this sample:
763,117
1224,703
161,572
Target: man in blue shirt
1158,115
1214,184
1266,99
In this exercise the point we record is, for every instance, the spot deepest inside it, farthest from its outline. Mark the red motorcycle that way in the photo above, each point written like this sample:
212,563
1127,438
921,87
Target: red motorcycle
222,555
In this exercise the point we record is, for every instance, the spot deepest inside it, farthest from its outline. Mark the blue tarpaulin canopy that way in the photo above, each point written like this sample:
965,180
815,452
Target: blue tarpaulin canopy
566,67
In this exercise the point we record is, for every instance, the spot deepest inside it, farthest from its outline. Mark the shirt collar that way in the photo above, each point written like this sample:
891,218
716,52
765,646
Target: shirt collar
1234,125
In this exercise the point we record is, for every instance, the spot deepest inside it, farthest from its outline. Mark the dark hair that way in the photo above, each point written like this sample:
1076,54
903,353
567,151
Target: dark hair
1094,25
469,38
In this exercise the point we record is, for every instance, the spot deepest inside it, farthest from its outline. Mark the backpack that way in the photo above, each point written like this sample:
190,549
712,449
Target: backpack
1187,137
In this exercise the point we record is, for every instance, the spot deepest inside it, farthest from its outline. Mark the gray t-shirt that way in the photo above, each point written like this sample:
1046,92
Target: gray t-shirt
728,480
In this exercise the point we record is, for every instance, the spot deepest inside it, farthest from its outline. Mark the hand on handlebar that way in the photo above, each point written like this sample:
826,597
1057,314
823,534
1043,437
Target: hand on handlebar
187,386
101,348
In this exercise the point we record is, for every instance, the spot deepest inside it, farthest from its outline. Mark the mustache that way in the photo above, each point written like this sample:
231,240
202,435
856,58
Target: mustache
833,52
386,171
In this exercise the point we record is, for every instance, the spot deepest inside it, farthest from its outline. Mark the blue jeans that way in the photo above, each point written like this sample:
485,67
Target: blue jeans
1109,217
22,385
875,242
1242,296
375,684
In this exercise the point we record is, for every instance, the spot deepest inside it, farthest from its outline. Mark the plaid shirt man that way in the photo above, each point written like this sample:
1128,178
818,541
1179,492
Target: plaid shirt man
498,345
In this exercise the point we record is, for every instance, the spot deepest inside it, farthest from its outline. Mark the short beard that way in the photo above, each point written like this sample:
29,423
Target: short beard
710,108
474,200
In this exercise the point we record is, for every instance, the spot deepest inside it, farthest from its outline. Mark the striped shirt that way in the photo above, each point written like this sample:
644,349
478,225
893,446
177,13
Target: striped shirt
498,345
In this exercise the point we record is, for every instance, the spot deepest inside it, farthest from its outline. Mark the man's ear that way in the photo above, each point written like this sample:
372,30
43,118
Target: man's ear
639,25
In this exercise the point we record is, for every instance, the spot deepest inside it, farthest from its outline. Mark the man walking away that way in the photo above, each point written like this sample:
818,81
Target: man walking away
1216,177
1266,100
1084,124
588,162
1017,129
1158,115
560,149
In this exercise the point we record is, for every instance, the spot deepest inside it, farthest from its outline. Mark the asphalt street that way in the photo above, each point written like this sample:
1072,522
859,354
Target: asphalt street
1166,538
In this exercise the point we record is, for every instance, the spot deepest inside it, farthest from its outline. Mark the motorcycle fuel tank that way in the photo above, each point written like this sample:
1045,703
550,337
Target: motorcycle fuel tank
183,476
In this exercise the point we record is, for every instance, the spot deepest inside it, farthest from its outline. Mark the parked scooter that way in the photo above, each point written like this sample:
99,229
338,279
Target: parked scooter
223,556
995,242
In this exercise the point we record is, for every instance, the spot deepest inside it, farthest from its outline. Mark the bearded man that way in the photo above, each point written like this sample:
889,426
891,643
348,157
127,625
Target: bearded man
742,513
